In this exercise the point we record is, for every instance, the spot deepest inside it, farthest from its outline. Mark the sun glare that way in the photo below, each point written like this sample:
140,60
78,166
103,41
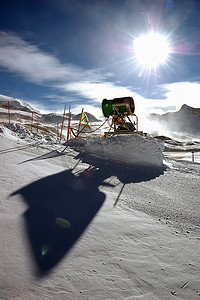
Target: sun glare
151,50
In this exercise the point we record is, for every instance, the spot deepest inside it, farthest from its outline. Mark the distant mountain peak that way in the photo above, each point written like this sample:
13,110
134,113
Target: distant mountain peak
16,103
188,108
185,106
186,120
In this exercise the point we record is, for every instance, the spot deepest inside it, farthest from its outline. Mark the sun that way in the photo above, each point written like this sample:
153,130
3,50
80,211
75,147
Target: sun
151,50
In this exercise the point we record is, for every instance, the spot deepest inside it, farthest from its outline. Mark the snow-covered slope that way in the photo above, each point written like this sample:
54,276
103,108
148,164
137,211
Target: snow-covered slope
101,218
127,150
76,226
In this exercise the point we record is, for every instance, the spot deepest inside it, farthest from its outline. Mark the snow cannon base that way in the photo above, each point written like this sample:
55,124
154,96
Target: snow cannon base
122,132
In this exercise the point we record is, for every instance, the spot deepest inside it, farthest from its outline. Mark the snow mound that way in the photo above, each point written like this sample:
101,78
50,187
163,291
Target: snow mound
127,149
18,132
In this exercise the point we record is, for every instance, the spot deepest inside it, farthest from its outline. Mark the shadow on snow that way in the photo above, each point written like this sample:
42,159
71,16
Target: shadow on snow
62,205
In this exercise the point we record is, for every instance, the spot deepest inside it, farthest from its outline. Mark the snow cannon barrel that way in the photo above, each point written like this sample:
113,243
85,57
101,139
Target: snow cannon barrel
124,105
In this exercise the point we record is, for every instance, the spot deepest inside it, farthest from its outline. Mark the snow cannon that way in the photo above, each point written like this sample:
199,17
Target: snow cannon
121,110
124,105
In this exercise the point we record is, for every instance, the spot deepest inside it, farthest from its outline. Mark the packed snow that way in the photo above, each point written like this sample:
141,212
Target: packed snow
130,149
87,220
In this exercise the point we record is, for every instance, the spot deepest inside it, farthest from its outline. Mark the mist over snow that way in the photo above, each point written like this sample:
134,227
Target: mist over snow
185,121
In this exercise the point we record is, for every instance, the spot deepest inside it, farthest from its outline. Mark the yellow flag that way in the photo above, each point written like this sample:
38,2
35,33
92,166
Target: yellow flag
84,120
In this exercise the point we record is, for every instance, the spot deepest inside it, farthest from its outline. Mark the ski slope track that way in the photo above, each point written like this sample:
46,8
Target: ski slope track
96,219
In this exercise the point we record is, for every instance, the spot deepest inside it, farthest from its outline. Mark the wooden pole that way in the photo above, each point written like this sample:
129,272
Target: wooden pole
192,156
69,121
62,123
9,112
57,129
32,122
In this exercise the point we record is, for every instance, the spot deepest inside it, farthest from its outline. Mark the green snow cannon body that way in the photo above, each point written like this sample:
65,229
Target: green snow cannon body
124,105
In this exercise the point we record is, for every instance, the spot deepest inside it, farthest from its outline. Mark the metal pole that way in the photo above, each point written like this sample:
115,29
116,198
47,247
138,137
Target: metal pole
80,120
136,122
69,120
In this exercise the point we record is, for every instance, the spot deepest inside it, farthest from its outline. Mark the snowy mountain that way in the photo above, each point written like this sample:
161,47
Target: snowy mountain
186,120
21,113
17,106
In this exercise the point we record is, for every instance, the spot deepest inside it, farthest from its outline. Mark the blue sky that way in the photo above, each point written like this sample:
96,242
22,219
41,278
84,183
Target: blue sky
71,52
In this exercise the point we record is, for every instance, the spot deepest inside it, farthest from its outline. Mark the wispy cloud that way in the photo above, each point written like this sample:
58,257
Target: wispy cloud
96,92
92,85
180,93
27,60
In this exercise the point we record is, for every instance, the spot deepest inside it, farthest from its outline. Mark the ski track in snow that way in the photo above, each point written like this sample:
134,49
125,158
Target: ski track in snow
142,243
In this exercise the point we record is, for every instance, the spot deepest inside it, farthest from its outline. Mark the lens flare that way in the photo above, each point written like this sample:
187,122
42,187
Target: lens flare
45,249
63,222
151,50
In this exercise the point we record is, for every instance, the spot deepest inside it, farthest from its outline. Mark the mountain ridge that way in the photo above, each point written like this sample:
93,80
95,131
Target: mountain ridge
18,104
186,120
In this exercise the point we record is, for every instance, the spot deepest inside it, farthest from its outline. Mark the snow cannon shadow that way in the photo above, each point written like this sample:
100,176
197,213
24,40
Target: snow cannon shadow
124,172
61,206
